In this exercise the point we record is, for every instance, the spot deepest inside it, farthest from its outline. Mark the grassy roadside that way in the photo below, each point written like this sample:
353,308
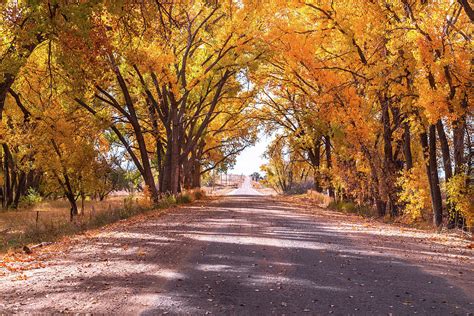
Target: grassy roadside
313,198
21,228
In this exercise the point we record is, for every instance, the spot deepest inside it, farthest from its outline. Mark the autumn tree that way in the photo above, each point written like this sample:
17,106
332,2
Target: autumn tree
171,84
25,27
385,78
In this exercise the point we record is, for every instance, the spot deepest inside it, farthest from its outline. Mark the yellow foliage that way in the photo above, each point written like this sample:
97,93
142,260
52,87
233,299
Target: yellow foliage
461,195
415,194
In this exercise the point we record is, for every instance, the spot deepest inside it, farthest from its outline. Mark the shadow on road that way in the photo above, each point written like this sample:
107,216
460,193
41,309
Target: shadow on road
249,255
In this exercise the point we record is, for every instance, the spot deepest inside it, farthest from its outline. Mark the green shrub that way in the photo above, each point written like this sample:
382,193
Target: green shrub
199,194
184,198
351,207
167,201
31,198
129,202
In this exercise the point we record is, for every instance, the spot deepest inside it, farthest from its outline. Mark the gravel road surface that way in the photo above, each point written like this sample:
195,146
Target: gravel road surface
245,189
248,255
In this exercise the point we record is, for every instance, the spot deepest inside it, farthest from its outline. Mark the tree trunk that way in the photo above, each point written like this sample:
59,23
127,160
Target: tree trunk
147,172
70,195
317,165
379,203
156,134
389,164
169,178
468,9
443,140
160,162
453,216
4,87
187,173
429,152
196,184
407,147
33,180
387,133
192,171
72,202
7,187
327,142
438,210
165,175
174,174
83,200
459,127
133,120
20,189
314,155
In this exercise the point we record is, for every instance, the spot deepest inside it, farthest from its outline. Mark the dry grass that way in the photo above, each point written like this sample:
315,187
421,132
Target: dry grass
320,199
57,210
50,220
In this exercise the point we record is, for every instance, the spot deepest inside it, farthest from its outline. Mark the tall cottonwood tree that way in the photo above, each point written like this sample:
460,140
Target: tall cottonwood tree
25,27
170,84
387,77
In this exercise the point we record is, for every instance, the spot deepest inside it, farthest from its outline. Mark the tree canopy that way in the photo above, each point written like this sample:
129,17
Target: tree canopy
369,101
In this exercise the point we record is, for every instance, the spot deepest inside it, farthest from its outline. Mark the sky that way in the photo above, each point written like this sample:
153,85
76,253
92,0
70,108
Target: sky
250,159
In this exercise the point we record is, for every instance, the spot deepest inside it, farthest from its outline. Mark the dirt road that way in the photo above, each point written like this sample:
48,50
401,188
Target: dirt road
245,189
250,255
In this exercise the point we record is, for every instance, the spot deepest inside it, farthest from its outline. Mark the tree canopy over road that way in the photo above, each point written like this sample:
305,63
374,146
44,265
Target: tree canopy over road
369,101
